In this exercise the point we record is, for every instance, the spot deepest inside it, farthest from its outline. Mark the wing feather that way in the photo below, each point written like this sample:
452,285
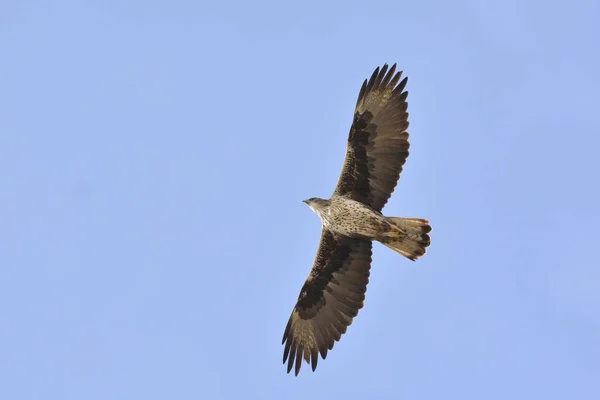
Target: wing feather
330,298
378,143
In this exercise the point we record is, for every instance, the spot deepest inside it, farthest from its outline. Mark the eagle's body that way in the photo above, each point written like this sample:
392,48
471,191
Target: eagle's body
335,289
344,216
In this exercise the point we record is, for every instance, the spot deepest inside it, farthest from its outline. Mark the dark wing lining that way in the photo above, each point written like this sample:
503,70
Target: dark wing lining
329,300
378,142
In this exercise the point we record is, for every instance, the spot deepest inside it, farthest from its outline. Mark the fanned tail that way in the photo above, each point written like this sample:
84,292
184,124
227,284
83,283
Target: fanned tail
412,242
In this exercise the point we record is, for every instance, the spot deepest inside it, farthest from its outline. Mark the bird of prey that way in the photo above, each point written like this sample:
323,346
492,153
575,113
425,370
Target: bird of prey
351,219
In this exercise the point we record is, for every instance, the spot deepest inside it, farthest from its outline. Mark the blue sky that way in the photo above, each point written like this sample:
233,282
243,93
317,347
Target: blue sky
153,159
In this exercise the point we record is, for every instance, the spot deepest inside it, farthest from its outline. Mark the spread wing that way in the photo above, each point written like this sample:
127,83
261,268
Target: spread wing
378,142
329,300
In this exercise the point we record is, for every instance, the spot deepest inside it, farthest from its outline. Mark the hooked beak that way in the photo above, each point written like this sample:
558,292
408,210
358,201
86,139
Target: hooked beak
305,201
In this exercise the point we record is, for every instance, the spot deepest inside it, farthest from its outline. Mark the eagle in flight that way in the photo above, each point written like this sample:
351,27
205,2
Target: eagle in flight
335,289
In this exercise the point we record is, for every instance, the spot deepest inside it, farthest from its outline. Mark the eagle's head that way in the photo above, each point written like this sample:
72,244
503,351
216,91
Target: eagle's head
319,206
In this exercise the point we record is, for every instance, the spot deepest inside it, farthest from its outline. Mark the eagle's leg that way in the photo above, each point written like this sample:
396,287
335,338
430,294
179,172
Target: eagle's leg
390,231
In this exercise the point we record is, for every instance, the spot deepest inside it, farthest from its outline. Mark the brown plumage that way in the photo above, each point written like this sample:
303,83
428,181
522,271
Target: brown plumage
378,142
335,290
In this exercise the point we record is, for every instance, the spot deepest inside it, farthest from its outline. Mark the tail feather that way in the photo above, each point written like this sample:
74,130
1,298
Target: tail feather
414,241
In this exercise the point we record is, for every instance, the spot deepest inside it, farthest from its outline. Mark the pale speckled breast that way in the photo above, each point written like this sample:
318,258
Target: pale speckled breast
352,218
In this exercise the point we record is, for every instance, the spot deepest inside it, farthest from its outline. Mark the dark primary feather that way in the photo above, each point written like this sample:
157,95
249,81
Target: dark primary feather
329,300
378,142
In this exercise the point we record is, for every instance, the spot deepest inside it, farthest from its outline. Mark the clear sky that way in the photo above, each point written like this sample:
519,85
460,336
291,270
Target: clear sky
154,157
